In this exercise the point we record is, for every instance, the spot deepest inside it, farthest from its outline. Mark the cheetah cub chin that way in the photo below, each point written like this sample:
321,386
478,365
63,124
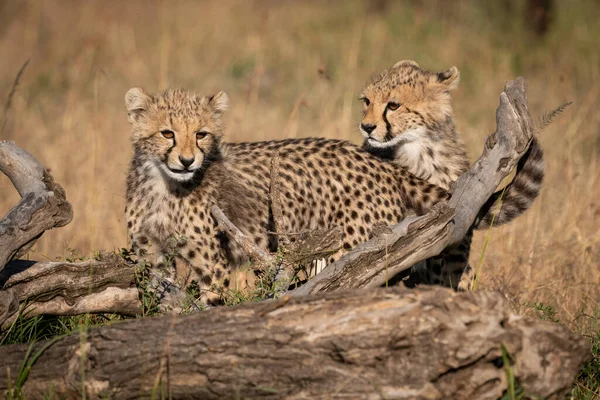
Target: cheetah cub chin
407,118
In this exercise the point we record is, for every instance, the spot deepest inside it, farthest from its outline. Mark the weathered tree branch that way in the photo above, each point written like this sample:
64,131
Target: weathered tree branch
383,343
62,288
415,239
265,262
43,203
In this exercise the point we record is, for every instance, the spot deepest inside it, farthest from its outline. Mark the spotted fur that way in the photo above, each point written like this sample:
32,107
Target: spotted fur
181,167
408,119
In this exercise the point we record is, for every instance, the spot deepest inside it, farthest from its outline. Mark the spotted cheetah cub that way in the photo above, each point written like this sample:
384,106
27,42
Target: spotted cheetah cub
408,119
170,188
181,168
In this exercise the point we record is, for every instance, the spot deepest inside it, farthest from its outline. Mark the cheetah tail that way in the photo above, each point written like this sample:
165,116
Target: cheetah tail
519,194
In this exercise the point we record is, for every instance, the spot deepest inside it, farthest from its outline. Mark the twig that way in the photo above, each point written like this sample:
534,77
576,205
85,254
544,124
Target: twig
282,276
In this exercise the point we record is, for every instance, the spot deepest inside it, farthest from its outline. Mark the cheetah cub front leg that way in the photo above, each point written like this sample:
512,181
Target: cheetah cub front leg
160,268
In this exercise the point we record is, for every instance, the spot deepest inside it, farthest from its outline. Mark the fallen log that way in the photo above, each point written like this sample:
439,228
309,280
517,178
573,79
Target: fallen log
43,204
396,343
105,285
415,239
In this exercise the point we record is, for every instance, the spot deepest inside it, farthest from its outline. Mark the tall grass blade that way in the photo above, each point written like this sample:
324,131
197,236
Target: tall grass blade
9,99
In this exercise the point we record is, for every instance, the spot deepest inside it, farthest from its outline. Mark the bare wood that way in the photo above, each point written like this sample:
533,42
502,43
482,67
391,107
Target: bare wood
371,263
250,248
415,239
384,343
43,203
9,305
63,288
315,245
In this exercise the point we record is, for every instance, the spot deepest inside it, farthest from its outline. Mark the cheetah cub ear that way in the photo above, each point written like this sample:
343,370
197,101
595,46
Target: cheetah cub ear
219,102
136,102
449,79
406,62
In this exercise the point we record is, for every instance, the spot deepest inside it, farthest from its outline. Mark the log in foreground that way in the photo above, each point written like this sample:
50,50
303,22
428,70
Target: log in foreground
106,285
385,343
43,204
415,239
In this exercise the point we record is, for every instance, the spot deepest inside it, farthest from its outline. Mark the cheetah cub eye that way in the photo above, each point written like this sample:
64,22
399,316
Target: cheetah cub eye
201,135
167,134
392,105
365,101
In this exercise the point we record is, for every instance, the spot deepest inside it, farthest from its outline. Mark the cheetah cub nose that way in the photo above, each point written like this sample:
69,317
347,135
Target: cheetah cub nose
186,162
368,127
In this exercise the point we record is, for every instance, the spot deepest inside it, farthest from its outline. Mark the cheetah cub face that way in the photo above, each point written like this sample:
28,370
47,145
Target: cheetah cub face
176,131
405,103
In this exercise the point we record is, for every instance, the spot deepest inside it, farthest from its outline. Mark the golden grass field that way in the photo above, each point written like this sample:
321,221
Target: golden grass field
296,68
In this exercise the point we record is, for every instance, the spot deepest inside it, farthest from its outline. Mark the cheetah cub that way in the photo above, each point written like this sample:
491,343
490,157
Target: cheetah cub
181,168
407,119
176,176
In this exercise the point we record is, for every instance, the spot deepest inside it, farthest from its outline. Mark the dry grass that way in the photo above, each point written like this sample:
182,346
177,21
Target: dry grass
295,69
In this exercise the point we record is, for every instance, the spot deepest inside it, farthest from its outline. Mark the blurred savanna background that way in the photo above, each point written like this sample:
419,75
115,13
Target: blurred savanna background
295,69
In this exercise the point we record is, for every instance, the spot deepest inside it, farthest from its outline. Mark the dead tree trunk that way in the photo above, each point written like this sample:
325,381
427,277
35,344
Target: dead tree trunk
383,343
43,204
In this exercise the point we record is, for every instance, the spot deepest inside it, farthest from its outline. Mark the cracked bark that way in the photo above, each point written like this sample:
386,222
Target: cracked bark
58,288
